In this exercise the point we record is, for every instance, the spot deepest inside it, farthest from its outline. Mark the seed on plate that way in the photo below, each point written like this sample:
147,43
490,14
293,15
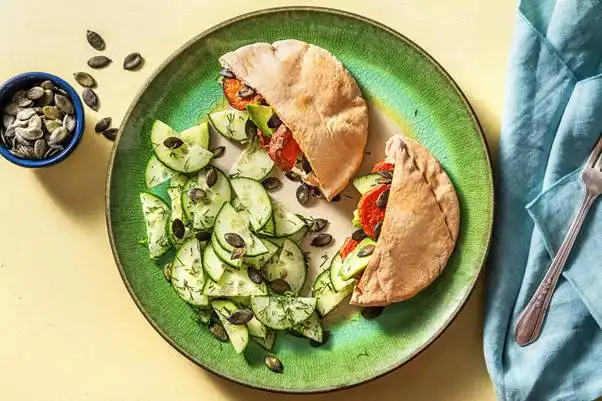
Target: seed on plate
303,194
384,180
203,236
218,332
226,73
372,312
366,251
271,183
317,225
237,253
64,104
173,142
69,122
58,136
99,62
325,338
178,229
90,98
132,61
7,120
52,112
315,192
279,286
306,166
84,79
211,179
377,227
255,275
167,272
103,125
110,134
40,148
382,200
218,152
274,122
35,93
273,364
95,40
47,85
245,92
385,173
25,114
51,125
47,99
321,240
294,177
336,198
250,130
241,316
358,235
196,195
235,240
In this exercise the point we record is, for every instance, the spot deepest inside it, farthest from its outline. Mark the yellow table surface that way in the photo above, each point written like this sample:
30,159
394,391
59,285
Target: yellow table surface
68,328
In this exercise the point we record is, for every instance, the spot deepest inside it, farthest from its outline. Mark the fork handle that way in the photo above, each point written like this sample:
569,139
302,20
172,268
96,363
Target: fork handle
529,324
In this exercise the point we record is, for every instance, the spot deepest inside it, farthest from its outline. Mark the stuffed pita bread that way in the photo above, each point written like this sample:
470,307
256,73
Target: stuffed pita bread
419,229
314,97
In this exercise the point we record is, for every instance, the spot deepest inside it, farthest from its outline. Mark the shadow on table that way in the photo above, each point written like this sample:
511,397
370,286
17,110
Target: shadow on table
77,184
450,368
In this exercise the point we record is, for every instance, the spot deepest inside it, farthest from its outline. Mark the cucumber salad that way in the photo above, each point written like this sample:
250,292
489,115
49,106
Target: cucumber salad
232,251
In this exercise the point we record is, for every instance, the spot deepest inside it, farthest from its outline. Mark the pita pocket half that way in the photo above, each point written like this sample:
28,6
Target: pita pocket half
316,98
419,230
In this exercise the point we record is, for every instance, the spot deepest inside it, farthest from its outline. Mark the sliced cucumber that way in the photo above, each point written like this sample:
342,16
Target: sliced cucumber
197,134
230,124
241,301
188,158
260,115
285,222
291,266
230,221
268,341
156,218
354,264
299,235
311,328
269,229
201,215
282,312
213,265
179,180
259,261
238,334
156,173
175,194
356,219
255,199
234,283
224,255
253,162
328,297
336,264
256,329
366,182
187,276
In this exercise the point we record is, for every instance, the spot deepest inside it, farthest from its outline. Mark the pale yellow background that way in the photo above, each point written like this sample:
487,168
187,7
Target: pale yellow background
68,328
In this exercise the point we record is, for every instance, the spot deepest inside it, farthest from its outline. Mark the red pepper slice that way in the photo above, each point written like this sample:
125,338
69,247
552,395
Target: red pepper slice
383,166
231,88
283,149
369,213
348,247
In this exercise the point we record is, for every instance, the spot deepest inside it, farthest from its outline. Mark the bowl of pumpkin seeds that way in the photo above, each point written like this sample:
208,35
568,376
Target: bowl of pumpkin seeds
42,120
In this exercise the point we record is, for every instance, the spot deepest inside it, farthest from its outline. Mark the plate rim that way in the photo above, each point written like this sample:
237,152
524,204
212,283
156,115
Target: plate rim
332,11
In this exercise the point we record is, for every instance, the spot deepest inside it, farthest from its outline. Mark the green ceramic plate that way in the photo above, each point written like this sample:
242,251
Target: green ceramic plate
408,91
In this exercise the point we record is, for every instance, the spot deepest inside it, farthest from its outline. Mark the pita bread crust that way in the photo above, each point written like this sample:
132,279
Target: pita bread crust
316,98
418,234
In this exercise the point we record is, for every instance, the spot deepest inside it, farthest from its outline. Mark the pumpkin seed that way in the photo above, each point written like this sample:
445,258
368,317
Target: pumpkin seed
173,142
273,364
377,227
241,316
321,240
25,114
235,240
255,275
294,177
178,229
35,122
245,92
317,225
237,253
303,194
305,165
211,179
20,137
95,40
384,180
84,79
280,286
99,62
64,104
17,153
90,98
27,151
35,93
336,198
218,152
51,152
372,312
20,124
61,91
51,125
40,148
167,272
47,85
7,120
226,73
103,125
69,122
250,130
366,251
132,61
325,338
385,173
30,134
10,132
11,109
110,134
21,99
196,194
383,198
274,122
271,183
358,235
315,191
58,136
218,332
47,98
203,236
52,113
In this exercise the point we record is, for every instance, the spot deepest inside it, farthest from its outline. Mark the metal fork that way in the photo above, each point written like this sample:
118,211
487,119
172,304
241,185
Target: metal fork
529,324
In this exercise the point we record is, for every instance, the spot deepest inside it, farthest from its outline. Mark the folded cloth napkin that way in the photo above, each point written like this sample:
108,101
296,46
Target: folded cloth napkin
552,121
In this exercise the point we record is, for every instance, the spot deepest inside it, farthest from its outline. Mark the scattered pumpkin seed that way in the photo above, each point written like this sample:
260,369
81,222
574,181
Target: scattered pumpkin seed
211,179
305,165
383,198
377,227
303,194
241,316
103,125
173,142
178,229
245,92
250,130
294,177
132,61
196,194
218,152
315,192
235,240
280,286
84,79
366,251
97,62
273,364
218,332
372,312
358,235
95,40
90,98
274,121
110,134
385,173
317,225
271,183
384,180
203,235
255,275
321,240
226,73
35,93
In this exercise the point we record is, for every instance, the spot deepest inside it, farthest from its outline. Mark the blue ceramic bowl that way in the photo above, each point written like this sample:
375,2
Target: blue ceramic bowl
27,80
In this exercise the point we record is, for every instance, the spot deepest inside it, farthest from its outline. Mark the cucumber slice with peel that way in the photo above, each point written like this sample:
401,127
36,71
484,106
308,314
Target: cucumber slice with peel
238,334
225,255
253,162
338,283
197,134
366,182
328,298
187,276
234,283
256,328
268,341
229,221
291,266
230,124
282,312
213,265
311,328
201,214
156,173
156,217
175,194
261,260
255,199
353,263
285,222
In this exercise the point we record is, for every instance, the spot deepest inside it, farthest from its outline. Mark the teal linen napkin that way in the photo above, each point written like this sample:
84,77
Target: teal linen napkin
552,121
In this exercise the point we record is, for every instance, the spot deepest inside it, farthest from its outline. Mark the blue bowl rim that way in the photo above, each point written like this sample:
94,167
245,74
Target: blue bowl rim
12,84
